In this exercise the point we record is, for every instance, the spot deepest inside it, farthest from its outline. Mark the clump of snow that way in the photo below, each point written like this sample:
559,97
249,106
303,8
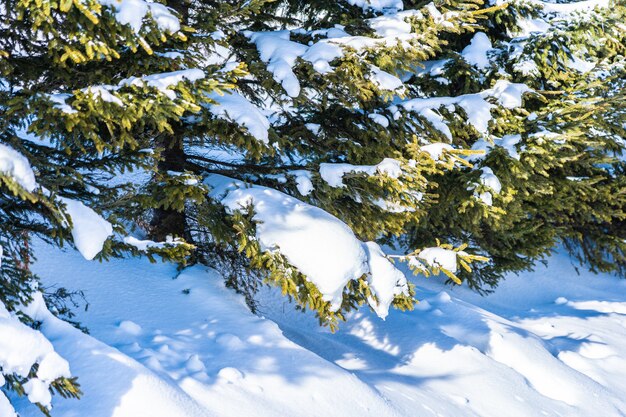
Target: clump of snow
280,54
572,7
104,93
580,64
379,118
508,94
144,245
89,229
477,108
489,179
333,173
320,54
21,347
59,102
233,106
436,150
384,80
16,166
164,81
303,181
476,52
133,13
377,5
384,279
440,258
508,142
393,24
321,246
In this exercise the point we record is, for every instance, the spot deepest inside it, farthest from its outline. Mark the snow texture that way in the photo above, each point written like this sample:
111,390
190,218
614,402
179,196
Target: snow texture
21,347
280,54
89,229
15,165
476,52
164,81
377,5
233,106
550,342
477,108
133,13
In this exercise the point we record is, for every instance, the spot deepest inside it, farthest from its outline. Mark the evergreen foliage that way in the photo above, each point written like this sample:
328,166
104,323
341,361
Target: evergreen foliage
504,121
283,141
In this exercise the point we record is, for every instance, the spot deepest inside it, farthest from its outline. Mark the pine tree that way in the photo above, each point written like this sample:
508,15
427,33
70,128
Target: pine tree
84,87
473,127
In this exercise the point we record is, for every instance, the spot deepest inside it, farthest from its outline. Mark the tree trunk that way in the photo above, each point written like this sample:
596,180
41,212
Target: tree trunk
169,222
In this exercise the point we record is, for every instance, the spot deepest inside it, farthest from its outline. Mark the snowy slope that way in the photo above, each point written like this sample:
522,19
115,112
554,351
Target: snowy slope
548,343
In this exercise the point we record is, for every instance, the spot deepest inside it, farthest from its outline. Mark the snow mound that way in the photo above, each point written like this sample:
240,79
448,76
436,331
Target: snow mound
545,343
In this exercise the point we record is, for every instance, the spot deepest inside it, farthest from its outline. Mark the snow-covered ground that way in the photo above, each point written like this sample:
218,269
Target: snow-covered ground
163,344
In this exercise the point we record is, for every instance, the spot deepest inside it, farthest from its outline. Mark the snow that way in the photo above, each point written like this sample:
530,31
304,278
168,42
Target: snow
280,54
440,258
144,245
477,108
133,13
21,347
164,81
377,5
572,6
104,93
476,52
233,106
489,179
550,342
436,150
508,142
15,165
89,229
304,181
384,80
385,280
59,102
333,173
320,54
321,246
379,118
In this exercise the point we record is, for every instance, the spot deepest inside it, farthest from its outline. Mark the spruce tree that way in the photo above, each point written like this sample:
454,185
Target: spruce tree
472,126
84,87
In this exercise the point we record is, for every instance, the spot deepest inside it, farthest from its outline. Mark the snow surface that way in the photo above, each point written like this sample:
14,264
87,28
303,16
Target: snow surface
15,165
89,229
21,347
235,107
133,13
548,343
476,52
280,54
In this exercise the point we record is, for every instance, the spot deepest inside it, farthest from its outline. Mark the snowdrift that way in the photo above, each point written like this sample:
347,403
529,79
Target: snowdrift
169,344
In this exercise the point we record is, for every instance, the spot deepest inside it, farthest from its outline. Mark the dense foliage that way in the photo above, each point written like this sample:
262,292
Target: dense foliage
286,141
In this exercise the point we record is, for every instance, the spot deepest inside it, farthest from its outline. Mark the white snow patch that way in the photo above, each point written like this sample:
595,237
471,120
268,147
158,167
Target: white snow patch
89,229
476,52
16,166
233,106
321,246
333,173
